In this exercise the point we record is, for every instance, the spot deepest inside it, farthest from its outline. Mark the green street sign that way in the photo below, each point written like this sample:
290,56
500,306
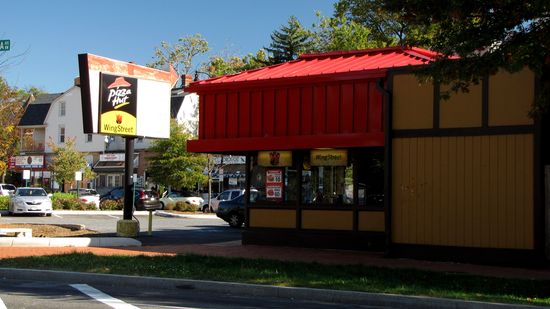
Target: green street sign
4,45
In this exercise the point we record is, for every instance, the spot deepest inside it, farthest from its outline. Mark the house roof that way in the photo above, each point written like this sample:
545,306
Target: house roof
322,64
36,112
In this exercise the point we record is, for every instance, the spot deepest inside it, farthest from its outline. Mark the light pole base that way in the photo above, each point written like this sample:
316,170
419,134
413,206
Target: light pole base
127,228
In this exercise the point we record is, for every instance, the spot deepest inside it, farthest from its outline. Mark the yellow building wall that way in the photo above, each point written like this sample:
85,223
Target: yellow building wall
371,221
461,110
327,220
471,191
272,218
412,103
510,98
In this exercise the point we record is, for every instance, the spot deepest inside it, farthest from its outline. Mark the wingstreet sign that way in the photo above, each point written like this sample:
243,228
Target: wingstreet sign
4,45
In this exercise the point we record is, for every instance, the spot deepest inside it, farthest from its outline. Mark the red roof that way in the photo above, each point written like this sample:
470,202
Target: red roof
331,63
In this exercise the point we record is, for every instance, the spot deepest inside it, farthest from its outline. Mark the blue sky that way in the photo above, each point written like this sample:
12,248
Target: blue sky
54,32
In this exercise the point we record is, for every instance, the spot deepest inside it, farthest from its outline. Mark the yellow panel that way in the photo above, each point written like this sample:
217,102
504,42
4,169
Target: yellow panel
327,220
412,103
473,191
273,218
461,110
510,98
372,221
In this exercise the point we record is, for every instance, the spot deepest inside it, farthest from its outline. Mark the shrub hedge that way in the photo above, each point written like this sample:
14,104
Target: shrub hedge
69,201
4,201
112,205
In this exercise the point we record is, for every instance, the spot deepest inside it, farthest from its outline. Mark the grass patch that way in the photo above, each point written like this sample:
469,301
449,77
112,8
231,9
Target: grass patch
299,274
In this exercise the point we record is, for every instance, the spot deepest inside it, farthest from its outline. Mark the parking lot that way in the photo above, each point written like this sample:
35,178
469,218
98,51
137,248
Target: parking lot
166,228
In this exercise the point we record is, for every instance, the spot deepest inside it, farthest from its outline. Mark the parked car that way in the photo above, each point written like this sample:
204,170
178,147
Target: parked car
172,197
226,195
143,199
88,196
233,211
6,189
30,200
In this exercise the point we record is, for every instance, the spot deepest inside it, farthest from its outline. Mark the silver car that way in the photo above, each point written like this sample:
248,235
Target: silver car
28,200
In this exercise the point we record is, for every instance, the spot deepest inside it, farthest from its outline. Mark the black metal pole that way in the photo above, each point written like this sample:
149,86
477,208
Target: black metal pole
128,183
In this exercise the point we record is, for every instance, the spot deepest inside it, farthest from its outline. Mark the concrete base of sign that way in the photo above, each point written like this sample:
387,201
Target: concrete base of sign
127,228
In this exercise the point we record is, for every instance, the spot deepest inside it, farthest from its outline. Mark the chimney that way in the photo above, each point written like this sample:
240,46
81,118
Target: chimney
186,80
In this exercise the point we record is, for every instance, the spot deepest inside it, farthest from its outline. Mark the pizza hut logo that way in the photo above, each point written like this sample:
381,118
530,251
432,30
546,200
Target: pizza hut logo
119,92
274,157
118,119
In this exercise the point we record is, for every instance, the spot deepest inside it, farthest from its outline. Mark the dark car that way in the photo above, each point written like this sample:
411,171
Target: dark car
143,199
233,211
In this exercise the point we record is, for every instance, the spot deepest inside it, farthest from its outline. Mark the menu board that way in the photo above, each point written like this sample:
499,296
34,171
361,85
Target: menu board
274,184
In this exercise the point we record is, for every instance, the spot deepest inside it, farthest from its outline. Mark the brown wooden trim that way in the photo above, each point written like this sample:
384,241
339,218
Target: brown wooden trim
387,94
485,102
436,105
248,162
538,182
490,256
521,129
350,240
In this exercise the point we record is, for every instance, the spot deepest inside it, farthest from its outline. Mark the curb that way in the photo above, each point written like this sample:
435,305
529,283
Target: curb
69,242
308,294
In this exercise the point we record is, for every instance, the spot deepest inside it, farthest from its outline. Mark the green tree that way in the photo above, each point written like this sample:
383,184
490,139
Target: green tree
219,66
172,165
11,109
333,34
486,35
181,54
289,42
66,161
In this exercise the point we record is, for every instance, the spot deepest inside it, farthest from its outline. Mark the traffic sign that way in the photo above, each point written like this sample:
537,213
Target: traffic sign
4,45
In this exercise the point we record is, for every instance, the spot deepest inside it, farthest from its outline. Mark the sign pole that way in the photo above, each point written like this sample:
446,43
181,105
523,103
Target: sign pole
128,173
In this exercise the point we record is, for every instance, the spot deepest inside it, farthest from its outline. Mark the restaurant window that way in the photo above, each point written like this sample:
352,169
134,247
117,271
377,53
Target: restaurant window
275,178
327,178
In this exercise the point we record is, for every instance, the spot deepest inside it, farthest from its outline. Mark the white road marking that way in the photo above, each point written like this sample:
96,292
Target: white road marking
2,305
102,297
116,217
57,216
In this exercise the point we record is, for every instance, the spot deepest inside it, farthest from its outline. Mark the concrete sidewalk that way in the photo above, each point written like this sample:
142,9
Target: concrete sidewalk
68,242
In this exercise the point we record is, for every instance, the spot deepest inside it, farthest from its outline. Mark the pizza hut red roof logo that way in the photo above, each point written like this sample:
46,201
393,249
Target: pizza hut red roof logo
119,82
274,158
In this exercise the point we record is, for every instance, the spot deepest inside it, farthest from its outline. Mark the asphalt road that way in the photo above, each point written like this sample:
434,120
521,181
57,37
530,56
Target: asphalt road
201,229
54,295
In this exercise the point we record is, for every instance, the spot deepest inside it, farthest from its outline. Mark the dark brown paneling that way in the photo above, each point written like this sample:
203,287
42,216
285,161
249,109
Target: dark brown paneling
306,115
281,112
375,114
210,116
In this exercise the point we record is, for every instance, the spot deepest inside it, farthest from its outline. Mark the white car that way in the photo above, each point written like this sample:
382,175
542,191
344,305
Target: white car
29,200
226,195
6,189
88,196
171,198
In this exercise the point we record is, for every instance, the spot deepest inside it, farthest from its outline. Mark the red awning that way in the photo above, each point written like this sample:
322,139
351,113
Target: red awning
326,100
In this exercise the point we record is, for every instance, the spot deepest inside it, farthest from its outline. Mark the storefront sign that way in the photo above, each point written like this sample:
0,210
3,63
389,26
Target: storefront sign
29,161
275,158
118,105
329,157
112,157
274,184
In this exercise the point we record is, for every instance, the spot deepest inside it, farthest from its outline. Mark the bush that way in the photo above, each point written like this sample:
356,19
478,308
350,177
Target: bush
69,201
4,201
112,205
182,206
